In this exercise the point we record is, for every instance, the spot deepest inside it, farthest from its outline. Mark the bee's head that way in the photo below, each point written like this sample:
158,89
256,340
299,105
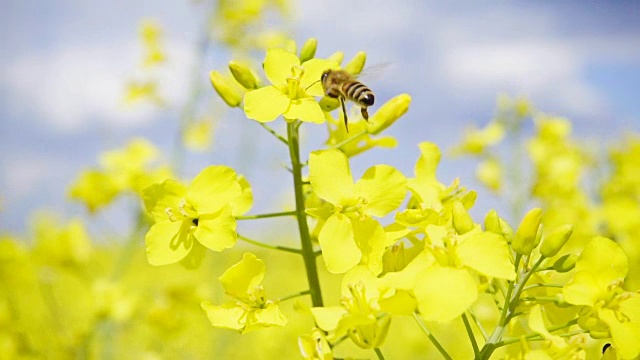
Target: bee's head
325,75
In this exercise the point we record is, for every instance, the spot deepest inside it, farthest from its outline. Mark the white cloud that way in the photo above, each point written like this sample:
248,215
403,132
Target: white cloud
72,87
551,73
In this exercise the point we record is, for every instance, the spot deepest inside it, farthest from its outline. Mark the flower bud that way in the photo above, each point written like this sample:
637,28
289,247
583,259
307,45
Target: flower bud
555,240
525,238
462,221
356,64
308,50
492,222
328,104
337,56
243,75
388,113
565,263
225,89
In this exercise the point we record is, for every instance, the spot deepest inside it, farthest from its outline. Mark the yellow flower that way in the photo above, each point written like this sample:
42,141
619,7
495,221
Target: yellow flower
350,235
292,90
607,310
250,310
201,214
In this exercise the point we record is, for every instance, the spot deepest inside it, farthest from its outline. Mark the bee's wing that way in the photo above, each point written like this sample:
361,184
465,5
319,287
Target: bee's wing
374,72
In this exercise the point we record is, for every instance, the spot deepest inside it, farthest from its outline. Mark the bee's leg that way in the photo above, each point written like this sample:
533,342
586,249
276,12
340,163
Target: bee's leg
365,113
344,113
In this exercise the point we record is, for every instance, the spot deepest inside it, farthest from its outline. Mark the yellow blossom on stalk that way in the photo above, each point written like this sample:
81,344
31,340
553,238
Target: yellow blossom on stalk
556,346
338,134
315,346
359,317
198,135
476,141
350,235
607,310
250,310
431,200
448,287
292,91
122,170
66,245
490,173
137,91
151,34
200,214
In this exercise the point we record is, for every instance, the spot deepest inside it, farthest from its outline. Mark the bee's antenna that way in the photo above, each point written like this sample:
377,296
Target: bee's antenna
315,82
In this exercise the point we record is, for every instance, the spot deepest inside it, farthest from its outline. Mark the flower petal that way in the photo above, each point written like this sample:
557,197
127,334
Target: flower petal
613,266
305,109
583,289
227,316
168,242
277,65
269,316
243,204
487,253
217,232
370,238
444,293
339,248
328,317
625,335
330,176
213,188
160,197
313,70
243,276
265,104
383,187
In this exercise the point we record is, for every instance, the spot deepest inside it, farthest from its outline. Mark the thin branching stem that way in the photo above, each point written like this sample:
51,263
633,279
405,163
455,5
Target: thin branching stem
269,246
293,296
472,337
432,338
379,353
274,133
349,140
268,215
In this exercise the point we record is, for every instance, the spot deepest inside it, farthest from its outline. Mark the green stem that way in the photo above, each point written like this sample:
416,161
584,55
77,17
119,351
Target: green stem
496,335
379,353
479,325
274,133
349,140
432,338
293,296
305,239
533,337
267,246
472,337
539,298
533,286
264,216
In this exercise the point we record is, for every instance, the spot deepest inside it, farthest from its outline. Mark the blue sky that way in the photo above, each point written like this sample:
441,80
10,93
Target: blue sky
64,67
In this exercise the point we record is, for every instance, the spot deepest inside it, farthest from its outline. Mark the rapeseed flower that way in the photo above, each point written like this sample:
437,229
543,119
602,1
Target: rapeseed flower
292,90
250,310
200,214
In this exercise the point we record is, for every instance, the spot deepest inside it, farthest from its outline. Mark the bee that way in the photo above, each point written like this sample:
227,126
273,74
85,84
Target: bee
339,84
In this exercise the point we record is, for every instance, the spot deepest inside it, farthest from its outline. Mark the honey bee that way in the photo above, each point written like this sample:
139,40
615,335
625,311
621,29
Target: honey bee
339,84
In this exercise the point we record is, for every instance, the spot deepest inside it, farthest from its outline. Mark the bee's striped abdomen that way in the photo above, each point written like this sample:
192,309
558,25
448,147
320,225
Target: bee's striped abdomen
358,93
